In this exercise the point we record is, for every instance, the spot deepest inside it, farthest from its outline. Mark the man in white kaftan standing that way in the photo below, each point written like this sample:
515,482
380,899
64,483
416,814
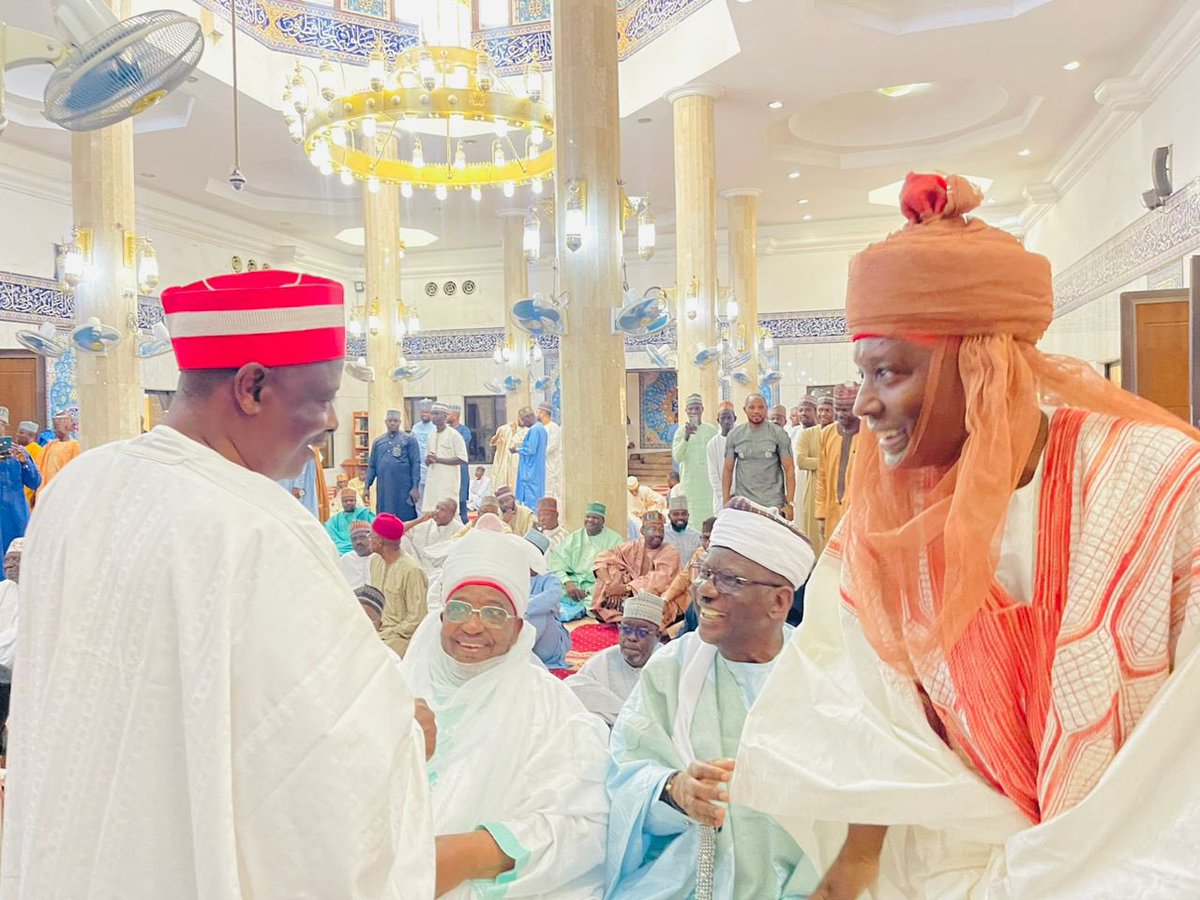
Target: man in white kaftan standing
445,455
201,709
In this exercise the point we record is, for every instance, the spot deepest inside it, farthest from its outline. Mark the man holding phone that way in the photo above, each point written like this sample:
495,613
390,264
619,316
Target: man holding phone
689,450
17,472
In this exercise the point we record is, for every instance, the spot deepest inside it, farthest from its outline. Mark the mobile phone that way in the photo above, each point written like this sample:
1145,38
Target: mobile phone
6,445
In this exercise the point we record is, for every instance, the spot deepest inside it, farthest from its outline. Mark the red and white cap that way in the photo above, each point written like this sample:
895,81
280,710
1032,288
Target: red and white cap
272,317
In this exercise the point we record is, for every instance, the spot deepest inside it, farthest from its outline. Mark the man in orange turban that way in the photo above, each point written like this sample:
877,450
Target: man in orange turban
999,640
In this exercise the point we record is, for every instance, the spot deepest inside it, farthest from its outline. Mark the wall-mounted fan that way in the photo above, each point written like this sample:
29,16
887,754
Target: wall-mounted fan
511,383
359,370
538,315
157,343
706,356
93,336
647,314
662,356
44,342
407,371
106,69
494,386
546,383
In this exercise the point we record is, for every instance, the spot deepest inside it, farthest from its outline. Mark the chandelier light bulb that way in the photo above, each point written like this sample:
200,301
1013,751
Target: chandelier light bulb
476,193
299,94
533,81
501,128
497,153
418,157
536,187
532,151
768,343
400,331
440,192
326,168
426,69
147,270
483,70
460,157
368,126
355,328
509,189
346,177
373,324
326,80
376,69
406,190
296,131
337,136
575,220
536,353
414,322
536,135
373,184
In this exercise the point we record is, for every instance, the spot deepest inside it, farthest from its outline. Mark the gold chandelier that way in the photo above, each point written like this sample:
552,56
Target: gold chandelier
410,123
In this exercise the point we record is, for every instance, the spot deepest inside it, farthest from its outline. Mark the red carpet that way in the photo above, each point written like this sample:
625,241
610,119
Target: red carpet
587,640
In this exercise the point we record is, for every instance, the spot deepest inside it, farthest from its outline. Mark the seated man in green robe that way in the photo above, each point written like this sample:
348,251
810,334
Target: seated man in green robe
574,561
675,740
339,523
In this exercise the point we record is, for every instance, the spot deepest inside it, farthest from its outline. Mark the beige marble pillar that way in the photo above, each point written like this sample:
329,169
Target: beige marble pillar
742,219
516,287
381,220
696,236
588,144
111,399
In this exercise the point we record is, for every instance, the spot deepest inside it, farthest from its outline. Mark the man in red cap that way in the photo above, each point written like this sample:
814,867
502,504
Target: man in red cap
402,581
999,642
204,711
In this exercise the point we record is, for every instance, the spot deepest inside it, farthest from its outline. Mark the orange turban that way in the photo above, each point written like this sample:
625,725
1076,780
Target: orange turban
979,300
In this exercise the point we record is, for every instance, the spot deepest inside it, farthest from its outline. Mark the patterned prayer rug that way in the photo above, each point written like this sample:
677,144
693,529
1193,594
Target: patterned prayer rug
586,641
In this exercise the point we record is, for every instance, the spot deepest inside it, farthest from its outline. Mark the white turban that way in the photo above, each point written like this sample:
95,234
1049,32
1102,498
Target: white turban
496,560
764,540
16,546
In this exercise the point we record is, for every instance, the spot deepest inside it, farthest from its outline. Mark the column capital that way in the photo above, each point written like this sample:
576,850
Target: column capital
741,192
512,212
697,89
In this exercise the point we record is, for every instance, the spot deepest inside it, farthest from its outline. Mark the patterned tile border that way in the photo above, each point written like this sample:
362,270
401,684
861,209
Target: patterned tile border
1150,243
307,29
26,298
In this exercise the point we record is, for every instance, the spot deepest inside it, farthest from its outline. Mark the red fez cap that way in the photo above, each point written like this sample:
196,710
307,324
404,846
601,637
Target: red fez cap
272,317
388,527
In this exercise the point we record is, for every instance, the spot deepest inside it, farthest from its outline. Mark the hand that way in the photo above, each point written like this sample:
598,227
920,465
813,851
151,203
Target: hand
700,787
786,510
20,454
856,868
297,493
415,494
430,459
689,429
574,591
428,722
366,495
610,601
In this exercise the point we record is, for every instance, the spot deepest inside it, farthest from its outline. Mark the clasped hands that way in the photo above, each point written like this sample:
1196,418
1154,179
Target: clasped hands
698,789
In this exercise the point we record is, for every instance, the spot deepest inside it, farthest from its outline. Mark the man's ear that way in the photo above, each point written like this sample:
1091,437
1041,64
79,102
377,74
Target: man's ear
248,384
781,603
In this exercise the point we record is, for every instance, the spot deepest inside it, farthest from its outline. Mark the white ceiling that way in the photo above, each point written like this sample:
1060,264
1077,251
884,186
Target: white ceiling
996,86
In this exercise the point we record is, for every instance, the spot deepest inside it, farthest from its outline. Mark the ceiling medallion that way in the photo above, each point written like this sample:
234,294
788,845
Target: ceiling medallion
442,91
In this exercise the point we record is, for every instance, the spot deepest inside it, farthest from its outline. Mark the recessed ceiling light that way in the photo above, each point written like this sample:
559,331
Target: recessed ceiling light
1072,65
903,90
147,174
1024,152
645,120
793,175
803,201
807,217
775,104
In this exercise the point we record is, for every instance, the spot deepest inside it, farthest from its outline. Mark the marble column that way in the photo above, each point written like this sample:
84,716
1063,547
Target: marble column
588,144
516,287
742,223
696,236
111,399
381,220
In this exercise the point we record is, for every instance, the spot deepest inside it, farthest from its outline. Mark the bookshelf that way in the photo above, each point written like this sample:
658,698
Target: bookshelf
361,441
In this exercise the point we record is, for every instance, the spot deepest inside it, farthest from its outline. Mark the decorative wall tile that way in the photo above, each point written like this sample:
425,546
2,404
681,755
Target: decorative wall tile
62,392
659,394
1169,277
375,9
1147,244
525,11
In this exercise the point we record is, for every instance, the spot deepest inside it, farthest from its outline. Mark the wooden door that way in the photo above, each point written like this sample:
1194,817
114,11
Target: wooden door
22,387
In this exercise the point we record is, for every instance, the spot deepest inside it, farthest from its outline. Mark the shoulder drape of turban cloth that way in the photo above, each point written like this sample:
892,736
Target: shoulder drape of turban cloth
248,689
506,727
690,704
997,711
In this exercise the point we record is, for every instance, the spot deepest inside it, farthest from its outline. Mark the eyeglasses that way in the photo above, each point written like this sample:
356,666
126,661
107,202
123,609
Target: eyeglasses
635,631
459,611
728,583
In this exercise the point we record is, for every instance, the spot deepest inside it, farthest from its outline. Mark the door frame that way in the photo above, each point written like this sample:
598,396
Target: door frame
1131,300
40,368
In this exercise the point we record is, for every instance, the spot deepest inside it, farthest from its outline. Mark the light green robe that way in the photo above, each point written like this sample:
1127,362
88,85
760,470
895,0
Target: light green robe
575,558
652,847
691,459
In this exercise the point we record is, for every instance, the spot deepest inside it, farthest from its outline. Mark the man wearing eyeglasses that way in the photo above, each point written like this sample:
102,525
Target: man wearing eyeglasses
647,564
677,734
517,776
608,678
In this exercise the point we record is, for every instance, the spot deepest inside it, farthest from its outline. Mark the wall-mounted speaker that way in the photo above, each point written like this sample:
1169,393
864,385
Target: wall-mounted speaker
1160,172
